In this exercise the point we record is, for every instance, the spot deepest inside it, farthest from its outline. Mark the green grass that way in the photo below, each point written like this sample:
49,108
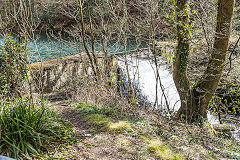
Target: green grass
100,116
119,126
98,119
160,149
93,109
26,130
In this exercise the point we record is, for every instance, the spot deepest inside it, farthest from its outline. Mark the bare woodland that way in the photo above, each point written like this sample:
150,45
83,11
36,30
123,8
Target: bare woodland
197,40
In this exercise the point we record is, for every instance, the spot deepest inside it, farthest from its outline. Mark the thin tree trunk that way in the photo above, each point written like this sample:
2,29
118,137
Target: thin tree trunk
91,59
92,39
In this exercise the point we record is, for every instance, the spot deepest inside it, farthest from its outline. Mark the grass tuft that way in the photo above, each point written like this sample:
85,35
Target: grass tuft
93,109
82,105
26,130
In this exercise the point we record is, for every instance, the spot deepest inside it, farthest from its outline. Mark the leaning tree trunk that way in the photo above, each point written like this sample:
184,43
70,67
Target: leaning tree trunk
195,99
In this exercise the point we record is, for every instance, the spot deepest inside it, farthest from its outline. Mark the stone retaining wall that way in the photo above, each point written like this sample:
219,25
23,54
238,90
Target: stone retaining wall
53,75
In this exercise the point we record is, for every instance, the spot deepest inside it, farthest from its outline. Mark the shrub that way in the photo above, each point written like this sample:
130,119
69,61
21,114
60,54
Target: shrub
26,130
228,96
13,66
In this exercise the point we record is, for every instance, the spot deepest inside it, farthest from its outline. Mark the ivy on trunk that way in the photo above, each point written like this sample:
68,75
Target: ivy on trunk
195,98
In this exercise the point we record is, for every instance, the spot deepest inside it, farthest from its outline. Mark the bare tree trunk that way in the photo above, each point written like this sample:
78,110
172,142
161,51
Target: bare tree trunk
92,39
195,99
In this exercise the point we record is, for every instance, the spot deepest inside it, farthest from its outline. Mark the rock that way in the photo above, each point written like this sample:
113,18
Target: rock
87,135
224,127
5,158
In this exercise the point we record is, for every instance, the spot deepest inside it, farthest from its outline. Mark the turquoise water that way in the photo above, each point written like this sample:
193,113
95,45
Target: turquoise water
44,48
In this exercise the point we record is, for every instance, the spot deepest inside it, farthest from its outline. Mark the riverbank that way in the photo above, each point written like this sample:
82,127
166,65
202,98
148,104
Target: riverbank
87,107
108,126
102,132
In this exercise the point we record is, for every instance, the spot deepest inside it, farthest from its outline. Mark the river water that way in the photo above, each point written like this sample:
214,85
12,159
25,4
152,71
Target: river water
141,68
45,48
142,71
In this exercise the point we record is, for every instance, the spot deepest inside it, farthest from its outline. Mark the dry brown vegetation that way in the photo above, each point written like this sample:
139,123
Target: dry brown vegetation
143,135
107,125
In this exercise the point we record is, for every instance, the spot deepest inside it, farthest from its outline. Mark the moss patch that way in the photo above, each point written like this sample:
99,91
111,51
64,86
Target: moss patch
83,105
120,125
98,115
160,149
98,119
93,109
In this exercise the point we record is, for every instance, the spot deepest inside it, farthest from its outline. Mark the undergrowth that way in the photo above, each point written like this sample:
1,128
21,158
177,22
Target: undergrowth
105,117
27,130
161,149
166,140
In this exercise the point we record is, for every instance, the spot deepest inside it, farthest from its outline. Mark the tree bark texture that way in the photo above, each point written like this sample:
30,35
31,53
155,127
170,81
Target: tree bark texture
195,99
180,64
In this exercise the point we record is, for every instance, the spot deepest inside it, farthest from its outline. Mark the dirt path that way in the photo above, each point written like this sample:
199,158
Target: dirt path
96,143
102,135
